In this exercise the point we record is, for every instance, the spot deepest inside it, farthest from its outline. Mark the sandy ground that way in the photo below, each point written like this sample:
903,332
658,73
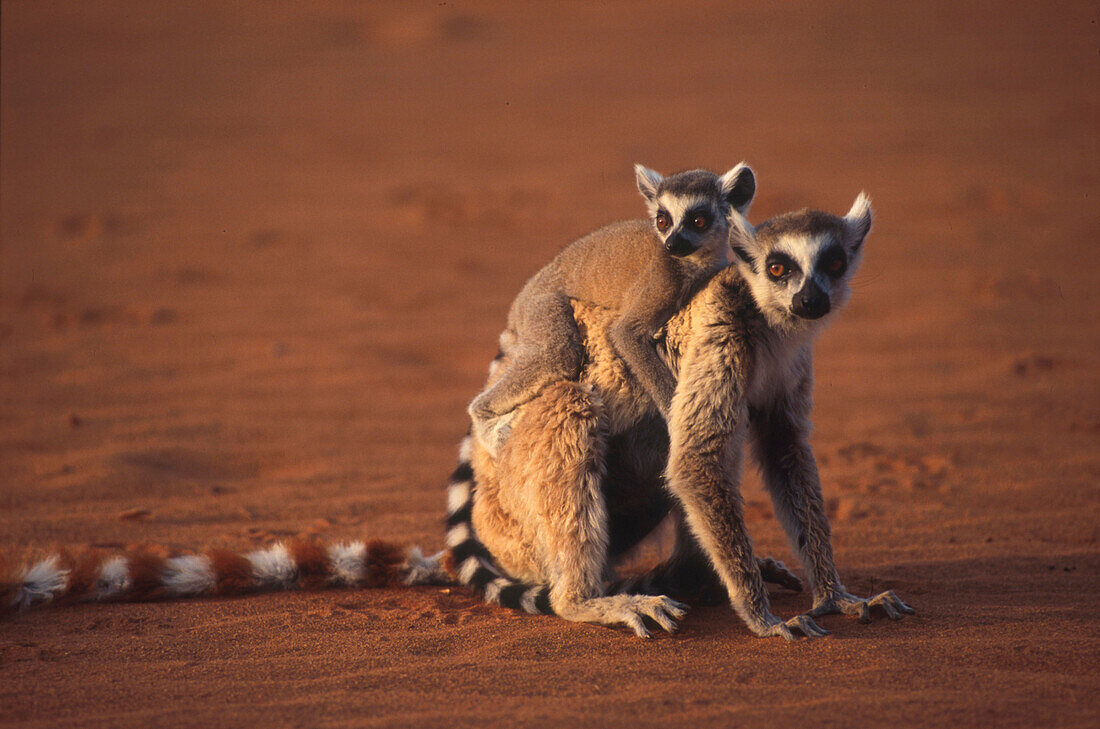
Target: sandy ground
255,256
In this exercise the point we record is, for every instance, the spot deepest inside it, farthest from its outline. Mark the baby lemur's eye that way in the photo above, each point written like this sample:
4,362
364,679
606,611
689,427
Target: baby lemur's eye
777,270
700,222
663,221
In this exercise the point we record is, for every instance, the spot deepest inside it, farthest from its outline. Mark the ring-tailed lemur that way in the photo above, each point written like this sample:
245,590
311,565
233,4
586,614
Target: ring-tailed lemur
580,475
597,449
645,270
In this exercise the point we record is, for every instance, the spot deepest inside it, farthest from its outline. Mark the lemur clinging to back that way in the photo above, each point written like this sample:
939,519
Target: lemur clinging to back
583,474
644,270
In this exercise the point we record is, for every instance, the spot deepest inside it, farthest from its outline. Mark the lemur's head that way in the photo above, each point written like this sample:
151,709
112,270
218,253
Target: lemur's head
799,264
691,210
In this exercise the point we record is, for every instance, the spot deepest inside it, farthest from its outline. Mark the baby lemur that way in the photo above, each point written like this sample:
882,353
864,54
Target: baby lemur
643,270
590,468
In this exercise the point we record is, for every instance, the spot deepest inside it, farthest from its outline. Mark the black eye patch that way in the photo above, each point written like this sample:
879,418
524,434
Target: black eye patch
779,266
699,212
833,262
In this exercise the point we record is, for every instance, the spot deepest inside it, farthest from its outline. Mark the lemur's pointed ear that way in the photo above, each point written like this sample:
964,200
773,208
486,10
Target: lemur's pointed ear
738,186
858,221
743,239
648,182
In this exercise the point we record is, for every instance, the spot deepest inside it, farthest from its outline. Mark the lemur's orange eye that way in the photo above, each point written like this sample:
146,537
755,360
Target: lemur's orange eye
777,270
662,221
700,222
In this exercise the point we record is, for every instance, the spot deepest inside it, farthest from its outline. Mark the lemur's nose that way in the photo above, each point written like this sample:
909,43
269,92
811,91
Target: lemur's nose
679,245
810,303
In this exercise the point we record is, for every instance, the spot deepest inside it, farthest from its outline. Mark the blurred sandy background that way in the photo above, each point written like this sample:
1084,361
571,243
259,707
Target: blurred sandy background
254,258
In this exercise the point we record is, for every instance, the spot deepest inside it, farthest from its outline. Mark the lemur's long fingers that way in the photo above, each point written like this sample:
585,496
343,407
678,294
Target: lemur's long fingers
676,609
807,626
889,603
663,611
784,632
898,603
657,615
635,622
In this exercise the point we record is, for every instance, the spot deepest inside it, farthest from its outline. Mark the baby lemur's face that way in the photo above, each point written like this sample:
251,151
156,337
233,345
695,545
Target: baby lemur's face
690,210
799,265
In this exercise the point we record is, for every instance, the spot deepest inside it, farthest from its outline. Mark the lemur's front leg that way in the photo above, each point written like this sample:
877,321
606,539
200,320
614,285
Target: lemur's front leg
782,445
707,428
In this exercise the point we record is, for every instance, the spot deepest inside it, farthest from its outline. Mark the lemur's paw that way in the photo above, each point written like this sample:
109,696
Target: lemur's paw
848,604
663,611
805,625
790,629
774,571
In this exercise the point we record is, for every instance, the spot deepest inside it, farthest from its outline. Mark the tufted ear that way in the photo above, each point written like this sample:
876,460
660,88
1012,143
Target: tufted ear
648,182
857,222
738,186
743,240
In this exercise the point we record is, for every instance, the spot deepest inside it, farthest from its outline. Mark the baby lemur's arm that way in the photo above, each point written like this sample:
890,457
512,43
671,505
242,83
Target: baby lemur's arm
661,292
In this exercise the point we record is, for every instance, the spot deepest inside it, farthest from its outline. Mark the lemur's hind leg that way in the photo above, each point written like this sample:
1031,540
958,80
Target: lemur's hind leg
544,517
548,348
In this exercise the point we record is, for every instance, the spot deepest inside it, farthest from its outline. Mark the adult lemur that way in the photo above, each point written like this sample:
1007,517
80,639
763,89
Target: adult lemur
579,479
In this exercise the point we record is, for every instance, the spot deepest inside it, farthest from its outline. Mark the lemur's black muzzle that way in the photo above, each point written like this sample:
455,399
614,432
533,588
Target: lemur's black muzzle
811,302
679,245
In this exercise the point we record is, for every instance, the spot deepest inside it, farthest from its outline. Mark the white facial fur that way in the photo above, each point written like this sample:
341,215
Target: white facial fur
714,243
804,239
682,196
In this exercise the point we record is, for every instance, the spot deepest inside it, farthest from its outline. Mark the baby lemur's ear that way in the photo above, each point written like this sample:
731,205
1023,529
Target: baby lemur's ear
738,186
858,222
648,182
743,239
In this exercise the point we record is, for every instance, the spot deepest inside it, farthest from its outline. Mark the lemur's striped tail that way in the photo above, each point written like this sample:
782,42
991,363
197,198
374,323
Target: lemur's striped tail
468,558
145,574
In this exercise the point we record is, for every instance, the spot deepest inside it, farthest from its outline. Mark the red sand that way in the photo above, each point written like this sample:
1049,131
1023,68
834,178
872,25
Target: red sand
254,260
